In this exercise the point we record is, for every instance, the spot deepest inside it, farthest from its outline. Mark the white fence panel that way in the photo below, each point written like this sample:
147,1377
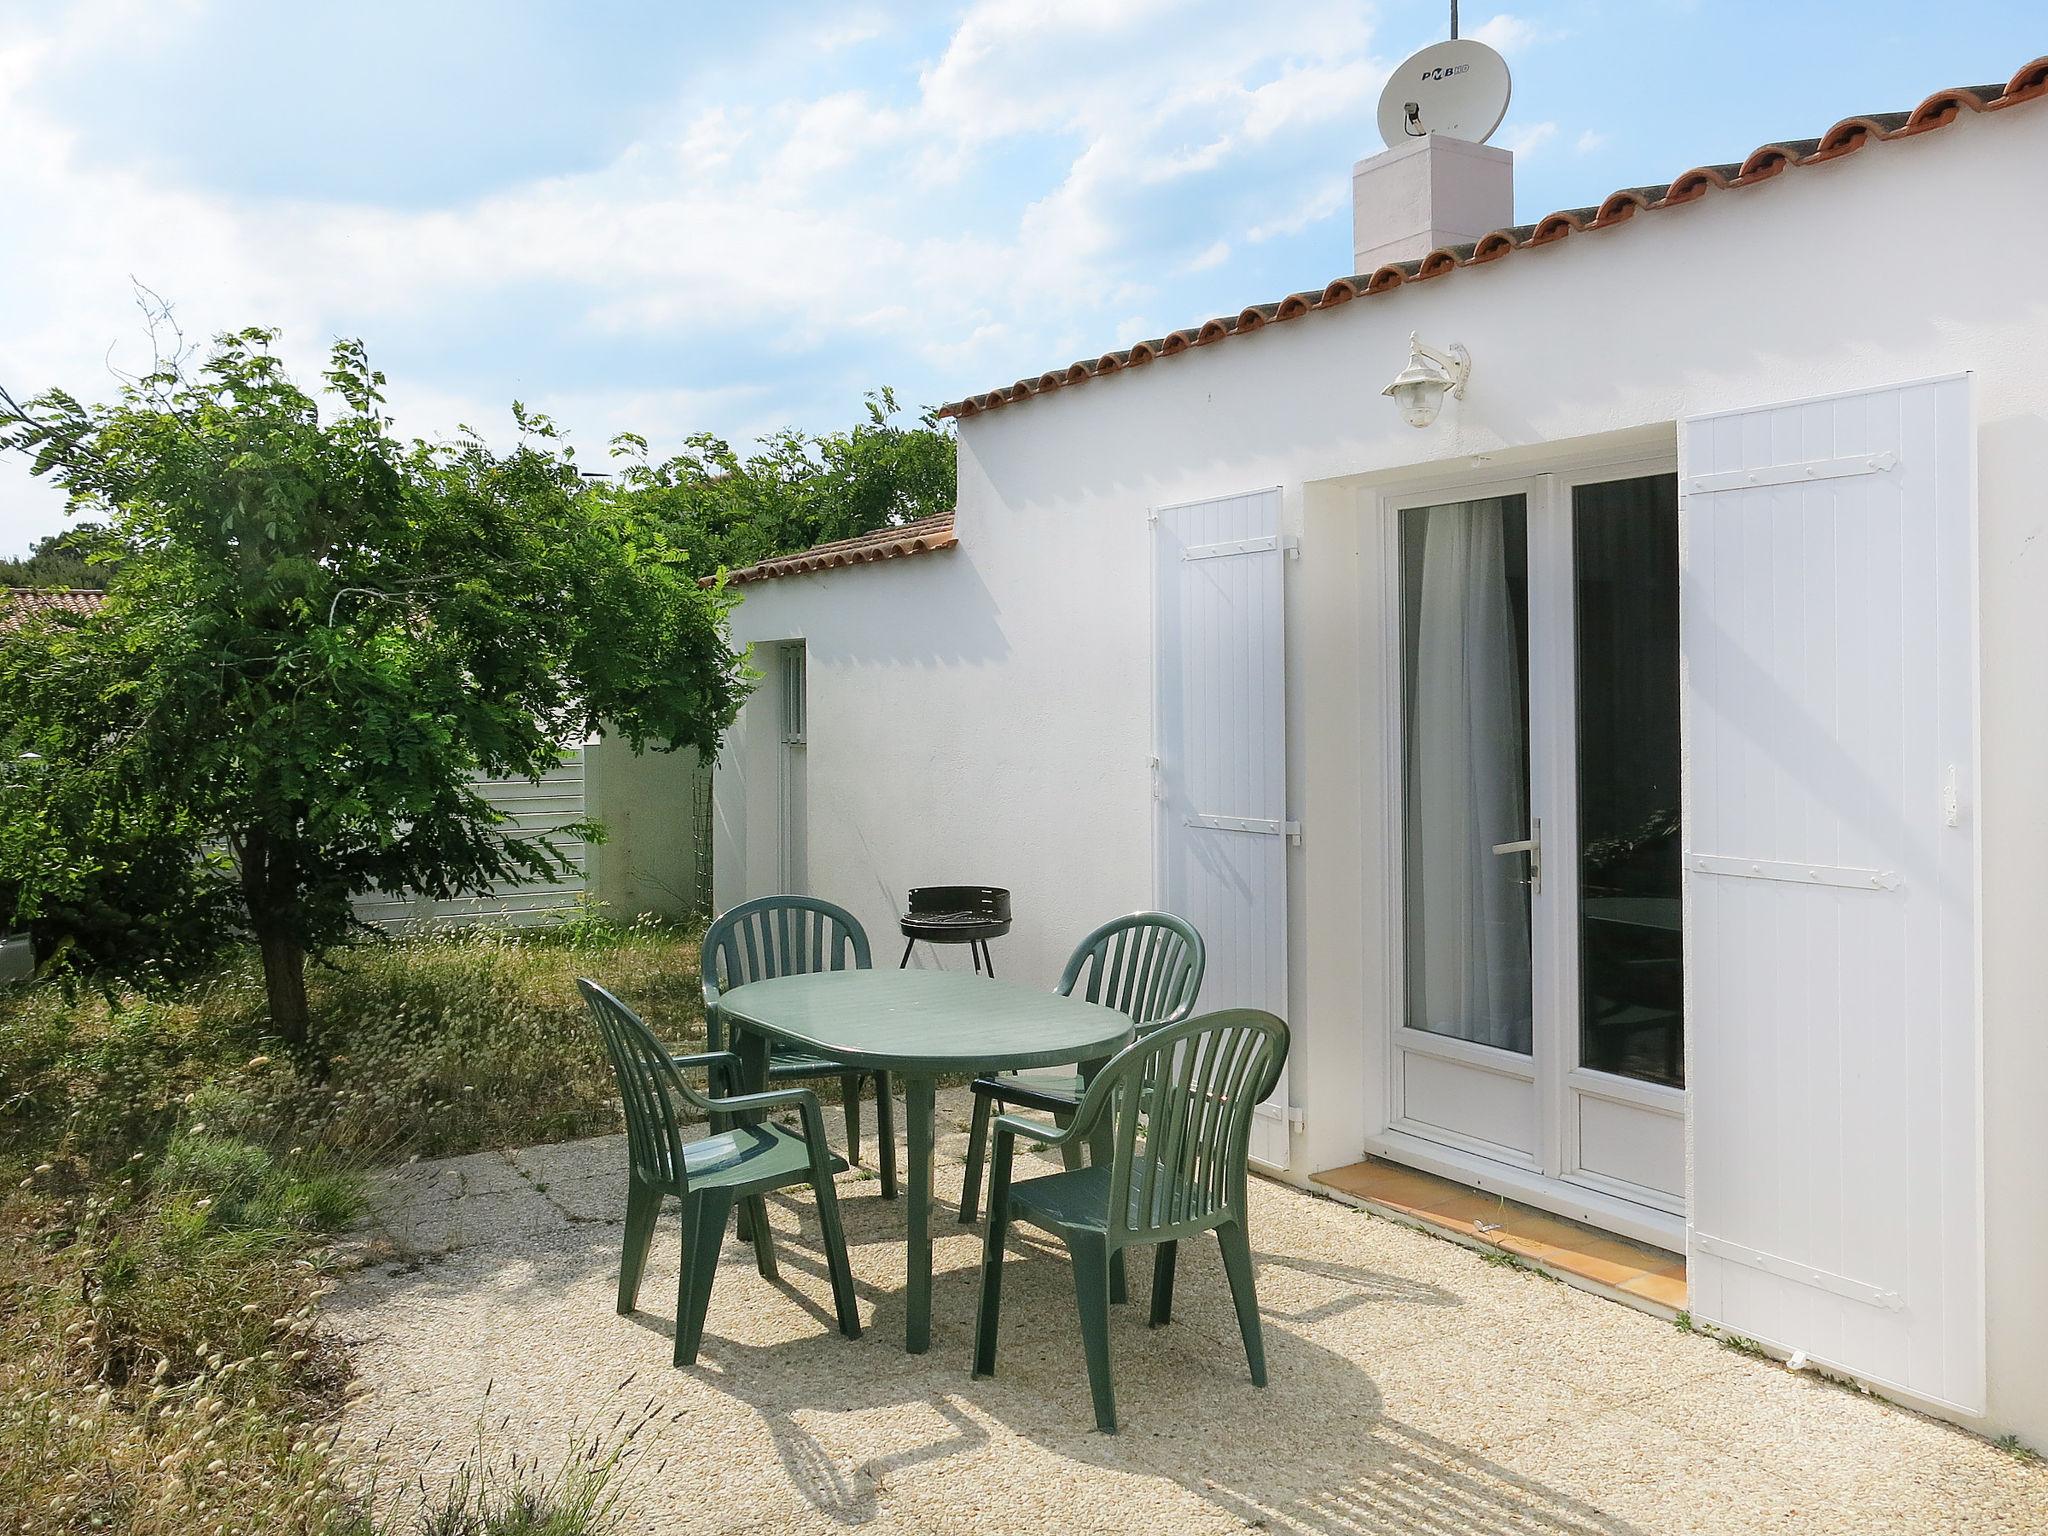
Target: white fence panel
557,801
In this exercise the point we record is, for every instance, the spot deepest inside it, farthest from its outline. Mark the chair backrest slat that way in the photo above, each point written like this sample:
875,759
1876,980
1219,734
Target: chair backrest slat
1181,1099
651,1090
777,936
1147,966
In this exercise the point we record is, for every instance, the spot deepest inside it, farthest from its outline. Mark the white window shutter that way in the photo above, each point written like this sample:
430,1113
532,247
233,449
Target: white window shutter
1828,610
1221,779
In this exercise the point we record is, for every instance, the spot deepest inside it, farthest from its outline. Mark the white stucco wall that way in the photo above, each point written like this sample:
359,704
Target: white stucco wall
927,764
983,714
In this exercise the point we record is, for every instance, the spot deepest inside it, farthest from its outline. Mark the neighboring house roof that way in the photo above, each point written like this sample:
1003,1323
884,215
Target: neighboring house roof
20,603
1846,137
919,538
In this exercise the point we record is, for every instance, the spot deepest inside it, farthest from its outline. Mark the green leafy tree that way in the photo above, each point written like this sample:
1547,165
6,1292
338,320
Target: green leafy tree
795,490
317,635
109,875
60,560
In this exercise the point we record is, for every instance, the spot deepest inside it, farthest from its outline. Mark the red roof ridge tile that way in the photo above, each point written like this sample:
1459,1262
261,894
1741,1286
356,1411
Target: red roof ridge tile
921,536
2028,83
19,604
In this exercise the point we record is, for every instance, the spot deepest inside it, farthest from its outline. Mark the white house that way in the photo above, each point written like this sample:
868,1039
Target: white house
1628,785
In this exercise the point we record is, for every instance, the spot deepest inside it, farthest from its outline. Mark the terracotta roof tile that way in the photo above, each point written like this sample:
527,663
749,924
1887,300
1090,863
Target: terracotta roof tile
18,604
2030,83
919,538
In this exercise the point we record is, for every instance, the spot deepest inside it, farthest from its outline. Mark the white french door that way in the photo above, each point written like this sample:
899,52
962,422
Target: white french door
1540,1023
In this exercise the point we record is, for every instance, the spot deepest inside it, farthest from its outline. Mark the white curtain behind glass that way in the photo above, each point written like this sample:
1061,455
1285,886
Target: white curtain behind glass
1467,910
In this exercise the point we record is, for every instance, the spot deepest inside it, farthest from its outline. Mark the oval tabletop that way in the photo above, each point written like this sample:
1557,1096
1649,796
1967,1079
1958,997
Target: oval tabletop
927,1021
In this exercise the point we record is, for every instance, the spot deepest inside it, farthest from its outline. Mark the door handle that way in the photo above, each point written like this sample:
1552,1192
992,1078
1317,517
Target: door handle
1532,845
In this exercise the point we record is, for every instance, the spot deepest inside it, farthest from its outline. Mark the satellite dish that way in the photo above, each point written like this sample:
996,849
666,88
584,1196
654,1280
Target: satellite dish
1458,89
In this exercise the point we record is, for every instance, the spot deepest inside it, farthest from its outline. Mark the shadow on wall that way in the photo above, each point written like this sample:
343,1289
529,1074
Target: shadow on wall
934,610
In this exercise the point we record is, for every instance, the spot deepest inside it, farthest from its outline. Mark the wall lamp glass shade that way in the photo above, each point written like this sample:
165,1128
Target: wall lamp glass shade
1419,389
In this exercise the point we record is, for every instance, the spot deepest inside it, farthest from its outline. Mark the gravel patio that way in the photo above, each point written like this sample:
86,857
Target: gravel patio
1415,1386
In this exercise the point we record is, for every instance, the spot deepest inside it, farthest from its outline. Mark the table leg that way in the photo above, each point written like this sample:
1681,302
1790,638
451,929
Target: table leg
918,1101
751,1046
1101,1150
1101,1142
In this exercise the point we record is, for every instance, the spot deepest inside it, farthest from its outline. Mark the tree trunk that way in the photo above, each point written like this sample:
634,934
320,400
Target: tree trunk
284,979
268,881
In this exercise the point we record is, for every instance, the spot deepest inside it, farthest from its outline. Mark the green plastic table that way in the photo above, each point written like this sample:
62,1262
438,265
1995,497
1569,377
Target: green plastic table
919,1026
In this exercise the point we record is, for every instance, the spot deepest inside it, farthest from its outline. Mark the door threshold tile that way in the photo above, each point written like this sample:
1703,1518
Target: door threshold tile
1650,1279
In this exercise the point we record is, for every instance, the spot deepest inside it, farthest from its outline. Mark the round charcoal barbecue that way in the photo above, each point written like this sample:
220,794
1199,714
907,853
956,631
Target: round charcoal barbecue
957,914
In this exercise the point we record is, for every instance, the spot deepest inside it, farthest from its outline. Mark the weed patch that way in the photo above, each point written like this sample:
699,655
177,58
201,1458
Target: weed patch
577,1494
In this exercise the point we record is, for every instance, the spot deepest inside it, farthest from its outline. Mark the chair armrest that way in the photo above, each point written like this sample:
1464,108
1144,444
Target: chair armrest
1045,1135
1096,1101
714,1029
722,1068
775,1098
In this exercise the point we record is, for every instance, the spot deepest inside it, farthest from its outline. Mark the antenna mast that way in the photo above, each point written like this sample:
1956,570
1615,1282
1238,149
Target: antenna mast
1454,18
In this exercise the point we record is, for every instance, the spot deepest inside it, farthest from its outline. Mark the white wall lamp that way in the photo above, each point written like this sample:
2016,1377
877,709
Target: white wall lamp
1419,388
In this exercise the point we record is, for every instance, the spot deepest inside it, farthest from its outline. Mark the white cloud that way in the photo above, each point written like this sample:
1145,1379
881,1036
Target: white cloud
1507,33
1015,66
1589,141
1527,139
1331,194
843,215
1313,94
833,133
848,31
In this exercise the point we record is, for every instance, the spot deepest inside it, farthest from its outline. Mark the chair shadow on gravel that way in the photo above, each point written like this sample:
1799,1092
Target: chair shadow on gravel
1314,1452
1190,1412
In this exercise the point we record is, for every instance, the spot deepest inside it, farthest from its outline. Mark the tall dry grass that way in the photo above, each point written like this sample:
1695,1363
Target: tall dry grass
172,1181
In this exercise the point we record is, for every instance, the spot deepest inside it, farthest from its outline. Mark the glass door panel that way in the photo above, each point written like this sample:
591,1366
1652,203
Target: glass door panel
1625,598
1464,569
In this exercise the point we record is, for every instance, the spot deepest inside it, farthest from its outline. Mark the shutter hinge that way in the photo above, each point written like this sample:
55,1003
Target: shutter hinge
1293,831
1292,545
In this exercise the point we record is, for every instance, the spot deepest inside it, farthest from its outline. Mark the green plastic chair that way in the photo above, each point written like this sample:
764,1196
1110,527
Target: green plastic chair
794,936
1148,965
1179,1103
736,1164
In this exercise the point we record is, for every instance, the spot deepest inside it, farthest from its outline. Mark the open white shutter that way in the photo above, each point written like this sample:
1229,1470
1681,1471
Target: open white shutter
1831,875
1221,782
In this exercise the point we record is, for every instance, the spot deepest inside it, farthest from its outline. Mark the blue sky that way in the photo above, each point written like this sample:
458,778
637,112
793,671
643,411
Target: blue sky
668,218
